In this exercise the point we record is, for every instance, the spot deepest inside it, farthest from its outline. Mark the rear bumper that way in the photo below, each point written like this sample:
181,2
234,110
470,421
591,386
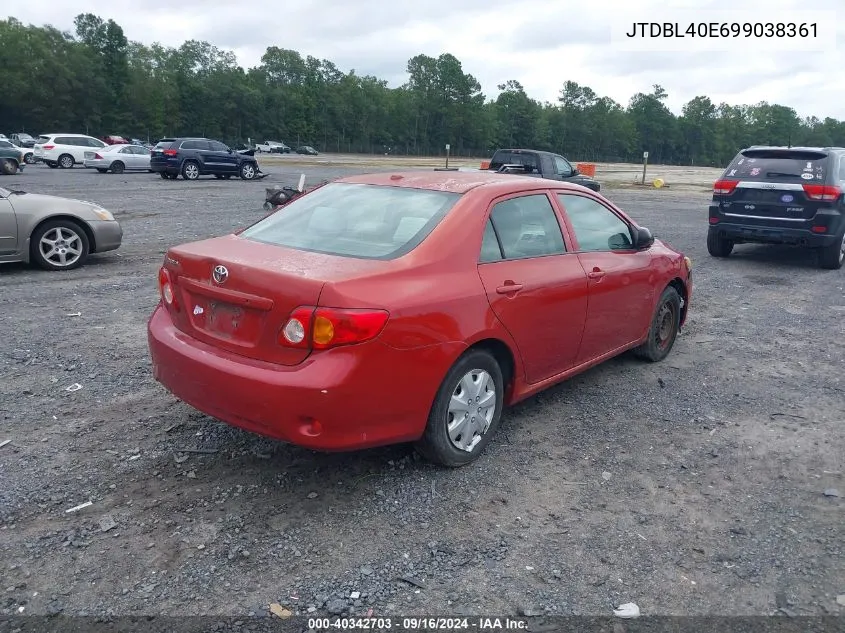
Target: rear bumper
164,167
773,235
344,399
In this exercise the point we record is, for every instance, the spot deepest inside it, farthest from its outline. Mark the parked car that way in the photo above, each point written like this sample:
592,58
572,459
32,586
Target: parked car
116,140
272,147
781,195
119,158
27,153
65,150
22,139
307,149
539,164
195,157
11,158
399,307
137,141
54,233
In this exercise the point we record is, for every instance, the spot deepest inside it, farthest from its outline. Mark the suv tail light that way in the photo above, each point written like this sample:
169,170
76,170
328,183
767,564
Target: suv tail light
48,146
323,328
165,288
169,152
724,187
822,192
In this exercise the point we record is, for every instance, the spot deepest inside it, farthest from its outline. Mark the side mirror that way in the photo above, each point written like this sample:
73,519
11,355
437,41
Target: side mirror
643,238
575,171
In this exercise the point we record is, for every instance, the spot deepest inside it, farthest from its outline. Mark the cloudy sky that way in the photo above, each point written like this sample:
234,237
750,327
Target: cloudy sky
540,43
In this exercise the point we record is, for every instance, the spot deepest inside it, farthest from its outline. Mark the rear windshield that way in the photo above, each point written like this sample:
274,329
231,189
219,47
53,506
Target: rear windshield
164,143
504,157
779,166
363,221
43,139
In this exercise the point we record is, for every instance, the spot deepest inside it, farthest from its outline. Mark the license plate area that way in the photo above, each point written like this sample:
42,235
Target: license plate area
219,319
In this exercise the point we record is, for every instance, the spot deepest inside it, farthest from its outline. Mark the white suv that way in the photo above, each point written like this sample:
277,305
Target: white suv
64,150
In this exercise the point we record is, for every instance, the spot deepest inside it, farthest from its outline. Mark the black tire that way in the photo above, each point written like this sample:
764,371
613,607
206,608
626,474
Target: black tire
833,257
718,246
190,170
435,444
117,167
102,171
29,158
218,176
52,165
664,328
39,258
8,167
248,171
163,175
66,161
173,176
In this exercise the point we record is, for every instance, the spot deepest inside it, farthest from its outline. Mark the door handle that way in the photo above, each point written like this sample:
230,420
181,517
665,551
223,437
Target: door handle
596,273
509,288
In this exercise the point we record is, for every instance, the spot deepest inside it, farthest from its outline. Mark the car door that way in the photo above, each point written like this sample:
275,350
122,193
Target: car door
563,168
225,160
142,157
536,288
8,228
621,290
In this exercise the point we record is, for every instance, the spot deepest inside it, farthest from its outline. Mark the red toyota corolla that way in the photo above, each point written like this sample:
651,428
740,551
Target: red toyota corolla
410,307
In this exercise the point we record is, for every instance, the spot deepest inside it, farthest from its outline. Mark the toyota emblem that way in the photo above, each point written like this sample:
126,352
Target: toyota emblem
220,274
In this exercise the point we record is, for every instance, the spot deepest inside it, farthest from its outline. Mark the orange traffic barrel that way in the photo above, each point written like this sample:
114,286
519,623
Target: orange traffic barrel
588,169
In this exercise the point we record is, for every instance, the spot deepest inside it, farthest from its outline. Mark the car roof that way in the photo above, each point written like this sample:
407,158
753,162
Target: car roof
67,134
794,148
458,182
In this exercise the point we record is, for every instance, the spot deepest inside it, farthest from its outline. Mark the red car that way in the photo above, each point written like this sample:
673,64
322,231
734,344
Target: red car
410,307
115,140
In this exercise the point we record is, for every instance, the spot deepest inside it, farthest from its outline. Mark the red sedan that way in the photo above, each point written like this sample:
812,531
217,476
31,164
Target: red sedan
410,307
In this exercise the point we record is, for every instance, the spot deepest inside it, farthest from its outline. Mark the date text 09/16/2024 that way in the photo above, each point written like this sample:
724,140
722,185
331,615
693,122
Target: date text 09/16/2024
723,30
418,624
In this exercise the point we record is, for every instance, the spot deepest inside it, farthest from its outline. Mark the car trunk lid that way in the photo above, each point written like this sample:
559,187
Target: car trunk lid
238,294
786,185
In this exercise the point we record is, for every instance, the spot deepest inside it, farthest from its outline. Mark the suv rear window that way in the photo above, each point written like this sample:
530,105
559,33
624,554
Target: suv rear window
779,166
164,143
43,139
350,220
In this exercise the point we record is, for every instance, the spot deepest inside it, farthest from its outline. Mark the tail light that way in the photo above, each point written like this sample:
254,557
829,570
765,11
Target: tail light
165,288
822,192
97,157
724,187
323,328
714,220
819,229
48,146
169,152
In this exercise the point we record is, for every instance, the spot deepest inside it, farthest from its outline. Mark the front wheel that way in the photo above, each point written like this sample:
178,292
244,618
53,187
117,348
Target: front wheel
466,411
832,257
8,167
664,328
59,245
248,171
718,246
117,167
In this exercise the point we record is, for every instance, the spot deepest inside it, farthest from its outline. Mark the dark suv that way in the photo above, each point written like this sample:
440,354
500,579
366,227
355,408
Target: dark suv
195,157
781,195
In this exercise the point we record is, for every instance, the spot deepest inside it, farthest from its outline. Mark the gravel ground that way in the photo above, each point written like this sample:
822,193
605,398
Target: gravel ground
693,486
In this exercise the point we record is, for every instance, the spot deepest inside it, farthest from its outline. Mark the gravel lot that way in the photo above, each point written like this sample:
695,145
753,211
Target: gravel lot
693,486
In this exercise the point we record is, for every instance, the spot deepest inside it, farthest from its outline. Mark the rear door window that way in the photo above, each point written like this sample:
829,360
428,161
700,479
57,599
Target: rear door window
779,166
217,146
363,221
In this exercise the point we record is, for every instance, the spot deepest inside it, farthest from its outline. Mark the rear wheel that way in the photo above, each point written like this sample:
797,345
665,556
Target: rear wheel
117,167
59,245
718,246
190,170
163,175
832,257
66,161
8,167
29,158
466,411
52,165
664,328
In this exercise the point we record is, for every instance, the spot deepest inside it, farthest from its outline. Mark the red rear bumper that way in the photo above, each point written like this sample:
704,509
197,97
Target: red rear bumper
347,398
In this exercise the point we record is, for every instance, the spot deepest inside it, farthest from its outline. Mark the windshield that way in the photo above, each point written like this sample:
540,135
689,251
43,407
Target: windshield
364,221
779,165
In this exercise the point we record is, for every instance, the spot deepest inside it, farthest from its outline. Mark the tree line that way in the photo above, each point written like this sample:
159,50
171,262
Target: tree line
97,81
